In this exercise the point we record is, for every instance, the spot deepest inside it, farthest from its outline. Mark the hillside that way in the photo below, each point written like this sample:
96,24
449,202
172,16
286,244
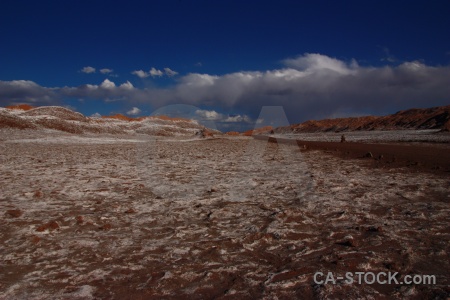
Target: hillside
428,118
63,119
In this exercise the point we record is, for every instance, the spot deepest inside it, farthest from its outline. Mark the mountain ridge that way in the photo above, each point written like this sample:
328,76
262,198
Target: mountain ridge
63,119
414,118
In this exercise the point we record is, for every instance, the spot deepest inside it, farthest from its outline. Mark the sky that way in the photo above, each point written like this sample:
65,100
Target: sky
226,60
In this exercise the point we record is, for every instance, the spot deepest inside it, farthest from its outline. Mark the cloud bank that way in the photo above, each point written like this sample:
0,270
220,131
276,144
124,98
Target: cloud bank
25,91
310,86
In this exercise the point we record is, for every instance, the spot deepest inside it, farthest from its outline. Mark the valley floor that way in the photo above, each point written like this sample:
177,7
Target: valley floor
103,217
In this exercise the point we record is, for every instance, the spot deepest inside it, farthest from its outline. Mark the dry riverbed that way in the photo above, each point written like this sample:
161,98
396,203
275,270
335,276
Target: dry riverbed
101,217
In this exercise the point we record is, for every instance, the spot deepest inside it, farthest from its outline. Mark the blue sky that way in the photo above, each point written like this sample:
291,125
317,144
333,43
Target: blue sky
227,59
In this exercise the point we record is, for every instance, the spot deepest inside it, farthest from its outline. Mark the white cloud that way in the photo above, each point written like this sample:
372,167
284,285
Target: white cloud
26,91
209,115
155,73
126,85
96,115
414,66
140,73
313,62
212,115
106,71
311,86
195,79
237,118
88,70
134,111
107,84
170,72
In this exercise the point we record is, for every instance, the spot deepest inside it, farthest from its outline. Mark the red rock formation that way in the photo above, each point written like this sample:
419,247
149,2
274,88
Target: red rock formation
265,129
57,112
446,126
166,118
20,106
208,133
161,117
428,118
123,118
232,133
63,119
13,121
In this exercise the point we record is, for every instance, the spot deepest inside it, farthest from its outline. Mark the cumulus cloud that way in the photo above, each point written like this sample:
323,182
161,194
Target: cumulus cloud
212,115
224,122
134,111
170,72
127,85
310,86
237,119
88,70
21,91
107,84
96,115
106,71
140,73
155,73
107,91
315,86
312,63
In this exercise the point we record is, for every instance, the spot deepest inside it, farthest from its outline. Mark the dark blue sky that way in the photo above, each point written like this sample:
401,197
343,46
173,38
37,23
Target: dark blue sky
48,43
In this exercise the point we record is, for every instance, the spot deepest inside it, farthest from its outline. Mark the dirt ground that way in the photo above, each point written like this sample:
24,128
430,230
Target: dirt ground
97,217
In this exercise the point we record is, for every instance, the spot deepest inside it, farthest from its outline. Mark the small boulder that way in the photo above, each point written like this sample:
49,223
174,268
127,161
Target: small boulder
14,213
38,194
52,225
106,226
80,220
35,239
374,229
130,211
348,241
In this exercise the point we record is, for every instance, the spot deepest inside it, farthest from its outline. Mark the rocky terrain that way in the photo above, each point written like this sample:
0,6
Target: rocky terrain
144,217
417,119
143,208
63,119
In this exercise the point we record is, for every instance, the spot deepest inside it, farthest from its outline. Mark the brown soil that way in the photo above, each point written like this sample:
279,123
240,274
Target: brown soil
212,219
416,157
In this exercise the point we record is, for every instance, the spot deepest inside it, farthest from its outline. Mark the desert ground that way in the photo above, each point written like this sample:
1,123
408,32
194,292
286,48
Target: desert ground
98,216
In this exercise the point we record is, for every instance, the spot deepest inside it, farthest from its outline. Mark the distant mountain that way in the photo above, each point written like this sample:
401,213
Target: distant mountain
63,119
428,118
